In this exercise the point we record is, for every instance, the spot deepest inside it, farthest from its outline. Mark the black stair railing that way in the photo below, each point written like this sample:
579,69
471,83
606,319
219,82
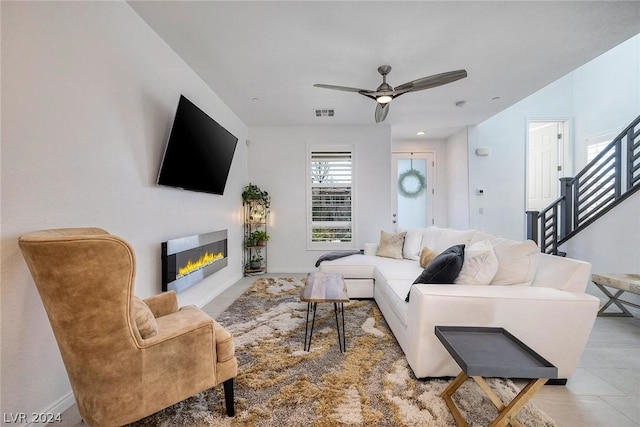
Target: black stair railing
612,176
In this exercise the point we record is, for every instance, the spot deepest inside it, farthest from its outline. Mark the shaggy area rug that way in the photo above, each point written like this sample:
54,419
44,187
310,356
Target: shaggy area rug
371,384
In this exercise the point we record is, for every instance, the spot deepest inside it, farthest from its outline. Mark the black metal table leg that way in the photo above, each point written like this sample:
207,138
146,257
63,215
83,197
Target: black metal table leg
344,335
342,342
313,321
335,311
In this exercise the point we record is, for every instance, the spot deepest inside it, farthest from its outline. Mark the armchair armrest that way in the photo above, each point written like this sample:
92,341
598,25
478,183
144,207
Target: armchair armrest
163,304
186,320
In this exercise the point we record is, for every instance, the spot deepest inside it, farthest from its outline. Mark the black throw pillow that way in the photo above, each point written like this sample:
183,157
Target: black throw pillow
443,269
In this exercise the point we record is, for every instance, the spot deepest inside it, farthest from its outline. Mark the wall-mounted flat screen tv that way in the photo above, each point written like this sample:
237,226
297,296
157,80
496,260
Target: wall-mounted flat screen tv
199,152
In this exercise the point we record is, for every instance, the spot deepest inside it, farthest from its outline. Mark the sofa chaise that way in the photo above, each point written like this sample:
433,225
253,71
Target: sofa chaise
539,298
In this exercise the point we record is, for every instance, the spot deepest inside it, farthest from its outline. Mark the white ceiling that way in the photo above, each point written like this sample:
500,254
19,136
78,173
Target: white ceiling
262,58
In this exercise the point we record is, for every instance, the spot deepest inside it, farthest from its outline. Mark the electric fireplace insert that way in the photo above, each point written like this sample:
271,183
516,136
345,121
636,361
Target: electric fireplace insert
188,260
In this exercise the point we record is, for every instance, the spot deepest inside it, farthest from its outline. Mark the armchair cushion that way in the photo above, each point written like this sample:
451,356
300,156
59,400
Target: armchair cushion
145,320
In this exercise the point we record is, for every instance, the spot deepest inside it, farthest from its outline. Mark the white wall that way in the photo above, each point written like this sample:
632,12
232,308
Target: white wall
601,95
611,244
608,104
277,163
88,97
502,174
457,173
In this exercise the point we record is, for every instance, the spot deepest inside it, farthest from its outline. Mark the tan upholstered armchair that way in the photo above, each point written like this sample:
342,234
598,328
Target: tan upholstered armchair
125,359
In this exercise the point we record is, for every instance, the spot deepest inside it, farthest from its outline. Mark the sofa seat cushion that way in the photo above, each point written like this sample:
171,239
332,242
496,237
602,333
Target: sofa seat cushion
353,266
499,292
517,260
394,292
396,269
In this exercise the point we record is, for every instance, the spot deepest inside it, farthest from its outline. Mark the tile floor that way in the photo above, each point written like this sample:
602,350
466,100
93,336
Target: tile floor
604,392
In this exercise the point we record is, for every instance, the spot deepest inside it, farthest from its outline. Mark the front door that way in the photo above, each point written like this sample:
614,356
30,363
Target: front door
412,189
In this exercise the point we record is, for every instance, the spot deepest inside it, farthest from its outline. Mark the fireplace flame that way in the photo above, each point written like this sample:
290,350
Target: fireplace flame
191,266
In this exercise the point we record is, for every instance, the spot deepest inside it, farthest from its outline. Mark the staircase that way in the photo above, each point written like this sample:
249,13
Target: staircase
605,182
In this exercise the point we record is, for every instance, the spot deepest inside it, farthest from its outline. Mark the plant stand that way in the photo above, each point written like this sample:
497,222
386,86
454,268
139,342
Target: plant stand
255,253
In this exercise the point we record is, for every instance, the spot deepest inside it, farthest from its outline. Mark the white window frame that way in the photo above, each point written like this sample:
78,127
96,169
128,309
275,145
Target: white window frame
311,245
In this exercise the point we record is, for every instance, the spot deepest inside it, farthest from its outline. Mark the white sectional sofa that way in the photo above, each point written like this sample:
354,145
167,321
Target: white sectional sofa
539,298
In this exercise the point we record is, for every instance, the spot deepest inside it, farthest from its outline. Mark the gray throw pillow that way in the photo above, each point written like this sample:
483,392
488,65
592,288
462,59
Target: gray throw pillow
443,269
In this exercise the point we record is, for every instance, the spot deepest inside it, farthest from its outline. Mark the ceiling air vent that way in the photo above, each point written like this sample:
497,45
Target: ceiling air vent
324,112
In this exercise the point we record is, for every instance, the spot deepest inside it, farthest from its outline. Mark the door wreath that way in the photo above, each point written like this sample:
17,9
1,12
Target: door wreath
411,174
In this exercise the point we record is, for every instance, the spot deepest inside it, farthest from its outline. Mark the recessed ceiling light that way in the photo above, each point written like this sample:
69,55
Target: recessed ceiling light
495,98
460,104
420,133
255,99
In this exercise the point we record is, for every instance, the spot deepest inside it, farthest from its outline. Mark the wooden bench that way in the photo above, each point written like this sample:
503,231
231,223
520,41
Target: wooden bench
623,283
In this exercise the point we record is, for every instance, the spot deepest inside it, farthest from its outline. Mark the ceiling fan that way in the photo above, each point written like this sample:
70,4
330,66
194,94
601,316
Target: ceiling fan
385,93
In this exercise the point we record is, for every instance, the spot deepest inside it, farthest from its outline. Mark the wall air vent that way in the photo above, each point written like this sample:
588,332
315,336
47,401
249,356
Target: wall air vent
324,112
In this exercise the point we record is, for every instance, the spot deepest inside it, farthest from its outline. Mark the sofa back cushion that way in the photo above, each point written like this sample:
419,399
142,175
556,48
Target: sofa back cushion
440,239
412,244
517,260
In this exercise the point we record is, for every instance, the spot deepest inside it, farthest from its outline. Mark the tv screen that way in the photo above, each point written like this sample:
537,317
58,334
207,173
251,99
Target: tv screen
199,152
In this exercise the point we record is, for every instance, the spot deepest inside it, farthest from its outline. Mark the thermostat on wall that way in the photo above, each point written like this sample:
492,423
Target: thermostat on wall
483,151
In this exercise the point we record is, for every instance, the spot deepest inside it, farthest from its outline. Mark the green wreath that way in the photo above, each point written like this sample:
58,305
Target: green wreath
411,173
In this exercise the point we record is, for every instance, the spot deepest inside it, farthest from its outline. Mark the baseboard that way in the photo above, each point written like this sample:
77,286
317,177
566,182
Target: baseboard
64,403
219,290
288,270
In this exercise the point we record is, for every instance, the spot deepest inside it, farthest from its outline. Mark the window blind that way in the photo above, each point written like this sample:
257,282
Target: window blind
331,198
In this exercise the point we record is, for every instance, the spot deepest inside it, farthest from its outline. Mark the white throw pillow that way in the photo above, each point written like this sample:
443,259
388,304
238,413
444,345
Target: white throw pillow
391,245
480,264
412,244
517,260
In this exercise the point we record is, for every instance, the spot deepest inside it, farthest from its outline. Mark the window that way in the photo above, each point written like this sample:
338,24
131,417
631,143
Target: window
593,149
330,198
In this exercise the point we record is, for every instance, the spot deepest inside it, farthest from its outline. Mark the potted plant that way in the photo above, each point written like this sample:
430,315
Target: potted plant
255,262
253,192
259,237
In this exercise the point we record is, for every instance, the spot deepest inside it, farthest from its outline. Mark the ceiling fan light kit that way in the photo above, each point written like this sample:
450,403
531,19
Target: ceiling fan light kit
385,92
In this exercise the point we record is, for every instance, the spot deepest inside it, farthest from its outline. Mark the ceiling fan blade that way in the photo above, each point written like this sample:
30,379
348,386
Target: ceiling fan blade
433,81
381,112
344,88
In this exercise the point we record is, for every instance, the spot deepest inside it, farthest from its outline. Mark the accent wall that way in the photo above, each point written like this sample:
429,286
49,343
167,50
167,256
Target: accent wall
89,93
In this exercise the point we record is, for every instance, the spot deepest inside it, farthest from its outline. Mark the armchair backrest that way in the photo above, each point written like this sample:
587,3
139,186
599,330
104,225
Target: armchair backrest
85,279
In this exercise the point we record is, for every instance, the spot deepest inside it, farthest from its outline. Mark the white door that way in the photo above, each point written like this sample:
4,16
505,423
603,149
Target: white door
412,190
545,166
